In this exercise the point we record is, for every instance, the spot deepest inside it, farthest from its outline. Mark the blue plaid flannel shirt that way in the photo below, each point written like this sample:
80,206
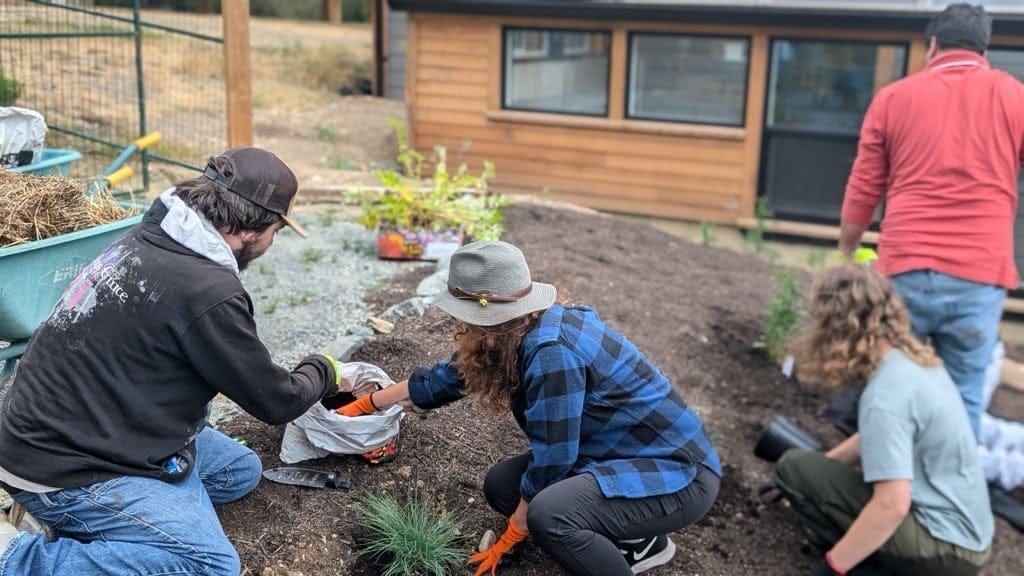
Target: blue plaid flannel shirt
591,402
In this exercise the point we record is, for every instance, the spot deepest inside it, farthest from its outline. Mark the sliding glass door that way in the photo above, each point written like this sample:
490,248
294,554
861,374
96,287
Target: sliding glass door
1011,60
818,91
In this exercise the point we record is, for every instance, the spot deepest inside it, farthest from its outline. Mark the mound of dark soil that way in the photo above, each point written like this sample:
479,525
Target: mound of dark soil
694,310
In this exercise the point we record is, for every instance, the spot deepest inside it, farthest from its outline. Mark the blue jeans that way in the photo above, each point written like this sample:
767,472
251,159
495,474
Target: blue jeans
140,526
961,320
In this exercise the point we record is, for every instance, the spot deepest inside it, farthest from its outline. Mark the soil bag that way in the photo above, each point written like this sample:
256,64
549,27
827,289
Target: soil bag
22,132
322,431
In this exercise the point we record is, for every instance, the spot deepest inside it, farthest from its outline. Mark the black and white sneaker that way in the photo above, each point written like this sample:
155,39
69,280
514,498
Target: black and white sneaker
642,555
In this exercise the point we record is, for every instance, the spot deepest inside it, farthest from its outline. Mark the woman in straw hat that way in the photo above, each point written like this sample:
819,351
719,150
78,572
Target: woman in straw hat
617,458
919,504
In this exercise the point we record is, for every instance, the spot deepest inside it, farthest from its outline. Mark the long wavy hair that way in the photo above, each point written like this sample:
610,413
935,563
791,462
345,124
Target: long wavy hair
488,358
852,308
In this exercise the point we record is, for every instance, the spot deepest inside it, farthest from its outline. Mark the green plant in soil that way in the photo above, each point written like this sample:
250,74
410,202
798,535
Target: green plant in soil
755,236
444,200
410,535
707,233
816,259
782,316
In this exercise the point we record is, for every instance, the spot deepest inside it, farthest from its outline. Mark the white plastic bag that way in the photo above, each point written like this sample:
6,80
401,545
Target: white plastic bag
320,432
22,132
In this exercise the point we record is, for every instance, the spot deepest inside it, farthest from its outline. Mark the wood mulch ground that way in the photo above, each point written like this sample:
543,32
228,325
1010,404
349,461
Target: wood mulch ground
694,310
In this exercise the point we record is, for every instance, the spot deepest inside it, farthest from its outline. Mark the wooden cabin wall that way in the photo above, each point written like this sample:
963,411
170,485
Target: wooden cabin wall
686,171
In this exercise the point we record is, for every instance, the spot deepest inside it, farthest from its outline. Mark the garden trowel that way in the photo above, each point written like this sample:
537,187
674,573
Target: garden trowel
308,478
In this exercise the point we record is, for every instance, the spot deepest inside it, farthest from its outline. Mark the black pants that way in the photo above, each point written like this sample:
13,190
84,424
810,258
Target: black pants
578,525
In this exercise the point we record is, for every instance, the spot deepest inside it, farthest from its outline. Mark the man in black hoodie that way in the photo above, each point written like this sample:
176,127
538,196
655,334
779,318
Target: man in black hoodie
103,433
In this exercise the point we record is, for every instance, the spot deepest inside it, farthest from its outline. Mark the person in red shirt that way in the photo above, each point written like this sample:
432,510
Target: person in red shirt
943,148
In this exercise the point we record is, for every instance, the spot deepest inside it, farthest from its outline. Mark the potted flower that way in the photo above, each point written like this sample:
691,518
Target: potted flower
419,218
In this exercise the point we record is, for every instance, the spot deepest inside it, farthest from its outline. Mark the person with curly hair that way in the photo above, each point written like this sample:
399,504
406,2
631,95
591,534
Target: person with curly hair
617,459
919,504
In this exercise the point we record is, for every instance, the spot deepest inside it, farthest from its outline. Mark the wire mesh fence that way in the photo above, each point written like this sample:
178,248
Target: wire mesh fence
104,73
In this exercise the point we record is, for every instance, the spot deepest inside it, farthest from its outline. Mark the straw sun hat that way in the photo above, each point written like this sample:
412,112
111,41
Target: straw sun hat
489,283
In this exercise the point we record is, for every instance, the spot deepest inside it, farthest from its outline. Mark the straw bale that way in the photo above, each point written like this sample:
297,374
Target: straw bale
37,207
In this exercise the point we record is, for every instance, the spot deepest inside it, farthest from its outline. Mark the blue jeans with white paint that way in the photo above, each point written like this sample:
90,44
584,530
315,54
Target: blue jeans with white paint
140,526
960,318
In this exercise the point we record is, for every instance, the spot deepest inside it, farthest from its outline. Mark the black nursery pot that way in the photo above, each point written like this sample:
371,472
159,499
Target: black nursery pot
781,435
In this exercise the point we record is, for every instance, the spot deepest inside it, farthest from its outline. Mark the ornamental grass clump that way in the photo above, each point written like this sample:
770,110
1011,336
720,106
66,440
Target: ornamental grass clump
410,535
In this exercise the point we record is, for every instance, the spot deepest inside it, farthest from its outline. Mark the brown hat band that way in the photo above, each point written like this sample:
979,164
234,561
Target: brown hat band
484,298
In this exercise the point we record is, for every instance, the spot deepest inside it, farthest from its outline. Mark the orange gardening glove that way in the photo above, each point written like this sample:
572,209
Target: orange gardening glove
489,558
363,405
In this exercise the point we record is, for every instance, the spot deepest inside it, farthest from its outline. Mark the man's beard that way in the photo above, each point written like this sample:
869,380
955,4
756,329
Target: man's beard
245,254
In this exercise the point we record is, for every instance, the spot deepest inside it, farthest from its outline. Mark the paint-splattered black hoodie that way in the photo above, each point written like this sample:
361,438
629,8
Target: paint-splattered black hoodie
118,378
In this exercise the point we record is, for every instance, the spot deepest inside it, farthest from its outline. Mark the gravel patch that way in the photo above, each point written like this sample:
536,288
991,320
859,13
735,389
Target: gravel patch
309,293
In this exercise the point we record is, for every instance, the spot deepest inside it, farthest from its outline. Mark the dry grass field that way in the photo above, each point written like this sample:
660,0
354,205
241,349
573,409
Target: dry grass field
299,71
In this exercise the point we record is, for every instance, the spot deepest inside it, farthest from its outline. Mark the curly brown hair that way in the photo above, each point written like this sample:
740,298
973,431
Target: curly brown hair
852,308
487,358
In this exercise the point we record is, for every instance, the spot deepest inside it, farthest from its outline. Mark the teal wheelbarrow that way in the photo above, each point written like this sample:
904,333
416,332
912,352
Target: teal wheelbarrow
34,275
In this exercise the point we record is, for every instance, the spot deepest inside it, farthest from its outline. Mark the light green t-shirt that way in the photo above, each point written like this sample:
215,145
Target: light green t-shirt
914,426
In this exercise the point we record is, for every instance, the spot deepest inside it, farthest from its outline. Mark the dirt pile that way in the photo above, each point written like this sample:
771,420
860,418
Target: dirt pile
694,310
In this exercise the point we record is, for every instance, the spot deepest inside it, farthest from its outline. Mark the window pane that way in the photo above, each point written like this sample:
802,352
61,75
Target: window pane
1011,61
557,71
688,78
828,85
1008,60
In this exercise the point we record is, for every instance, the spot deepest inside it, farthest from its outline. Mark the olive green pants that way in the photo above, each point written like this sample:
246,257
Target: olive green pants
829,495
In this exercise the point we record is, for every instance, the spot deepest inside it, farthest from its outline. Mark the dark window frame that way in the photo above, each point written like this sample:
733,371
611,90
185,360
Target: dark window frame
607,32
629,77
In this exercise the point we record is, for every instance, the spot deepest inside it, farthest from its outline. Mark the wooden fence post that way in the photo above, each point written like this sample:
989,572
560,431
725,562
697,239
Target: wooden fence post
237,71
332,11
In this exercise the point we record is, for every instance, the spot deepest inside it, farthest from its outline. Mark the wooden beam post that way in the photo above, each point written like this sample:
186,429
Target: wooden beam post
618,52
206,7
237,72
412,49
332,11
753,124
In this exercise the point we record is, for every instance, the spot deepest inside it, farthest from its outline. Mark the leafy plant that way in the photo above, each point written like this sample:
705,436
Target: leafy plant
755,236
445,200
707,233
783,315
414,536
10,90
816,259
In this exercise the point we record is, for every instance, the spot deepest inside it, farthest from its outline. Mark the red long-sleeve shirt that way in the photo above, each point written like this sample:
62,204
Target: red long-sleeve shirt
943,148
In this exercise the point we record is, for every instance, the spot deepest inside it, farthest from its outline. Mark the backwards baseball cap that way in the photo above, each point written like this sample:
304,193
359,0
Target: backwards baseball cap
260,177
